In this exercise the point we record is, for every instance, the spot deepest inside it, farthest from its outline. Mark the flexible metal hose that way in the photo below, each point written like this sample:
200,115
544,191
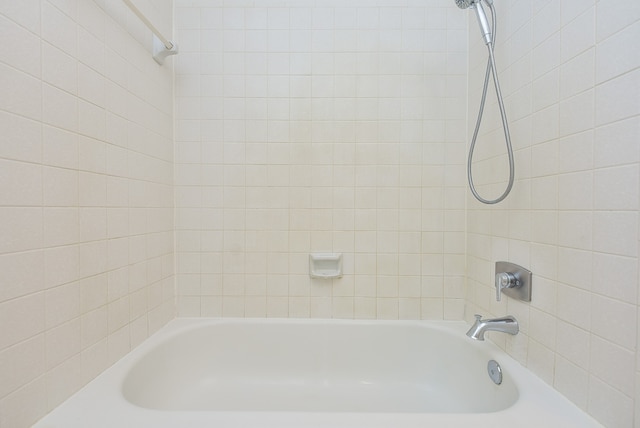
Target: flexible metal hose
491,69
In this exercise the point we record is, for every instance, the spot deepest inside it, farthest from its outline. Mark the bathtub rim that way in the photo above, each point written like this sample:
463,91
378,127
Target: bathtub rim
537,402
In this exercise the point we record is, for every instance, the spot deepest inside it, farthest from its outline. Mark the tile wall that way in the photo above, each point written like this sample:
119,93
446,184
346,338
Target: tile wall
571,77
320,126
86,210
308,125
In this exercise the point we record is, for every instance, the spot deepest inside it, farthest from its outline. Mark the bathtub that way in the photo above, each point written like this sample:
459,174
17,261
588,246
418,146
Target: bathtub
313,374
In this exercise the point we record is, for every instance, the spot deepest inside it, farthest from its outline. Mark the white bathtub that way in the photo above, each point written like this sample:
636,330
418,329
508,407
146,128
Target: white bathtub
314,373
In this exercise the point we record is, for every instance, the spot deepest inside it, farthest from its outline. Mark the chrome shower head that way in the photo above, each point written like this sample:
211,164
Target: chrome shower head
482,18
465,4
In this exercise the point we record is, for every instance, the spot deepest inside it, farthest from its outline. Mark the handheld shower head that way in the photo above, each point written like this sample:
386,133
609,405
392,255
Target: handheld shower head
476,5
465,4
484,23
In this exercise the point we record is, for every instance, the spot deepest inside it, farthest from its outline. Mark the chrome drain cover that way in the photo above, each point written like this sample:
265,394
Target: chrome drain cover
495,371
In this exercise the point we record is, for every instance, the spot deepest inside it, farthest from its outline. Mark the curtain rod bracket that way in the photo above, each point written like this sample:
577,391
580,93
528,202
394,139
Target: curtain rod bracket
161,51
162,47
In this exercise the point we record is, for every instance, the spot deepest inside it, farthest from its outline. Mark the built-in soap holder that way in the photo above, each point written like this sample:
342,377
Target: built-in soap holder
325,265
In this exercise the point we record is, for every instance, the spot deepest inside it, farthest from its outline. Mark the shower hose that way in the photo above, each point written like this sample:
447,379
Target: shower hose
491,70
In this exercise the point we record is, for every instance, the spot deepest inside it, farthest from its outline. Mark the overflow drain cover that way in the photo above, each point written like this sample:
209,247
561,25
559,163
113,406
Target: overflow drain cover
495,371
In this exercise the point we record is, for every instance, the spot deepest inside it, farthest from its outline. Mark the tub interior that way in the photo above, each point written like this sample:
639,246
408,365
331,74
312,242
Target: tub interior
307,367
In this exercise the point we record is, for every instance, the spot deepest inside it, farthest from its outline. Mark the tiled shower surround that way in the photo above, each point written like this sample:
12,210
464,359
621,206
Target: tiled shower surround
86,161
571,80
320,126
298,126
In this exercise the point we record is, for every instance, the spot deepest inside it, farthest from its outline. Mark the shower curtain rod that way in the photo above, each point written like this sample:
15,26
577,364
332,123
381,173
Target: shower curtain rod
167,44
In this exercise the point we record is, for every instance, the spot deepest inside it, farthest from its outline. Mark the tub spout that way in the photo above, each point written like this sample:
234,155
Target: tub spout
506,324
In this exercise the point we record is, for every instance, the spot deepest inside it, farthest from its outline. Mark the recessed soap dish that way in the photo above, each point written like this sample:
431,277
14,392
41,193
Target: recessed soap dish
325,265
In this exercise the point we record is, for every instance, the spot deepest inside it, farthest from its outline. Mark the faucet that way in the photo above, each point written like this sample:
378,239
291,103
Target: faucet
506,324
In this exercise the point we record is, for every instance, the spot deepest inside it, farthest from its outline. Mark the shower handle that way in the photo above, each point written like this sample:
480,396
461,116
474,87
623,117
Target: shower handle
505,280
514,281
483,22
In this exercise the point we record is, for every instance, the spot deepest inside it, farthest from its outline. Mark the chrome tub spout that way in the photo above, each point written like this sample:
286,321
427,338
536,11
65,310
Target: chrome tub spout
506,324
